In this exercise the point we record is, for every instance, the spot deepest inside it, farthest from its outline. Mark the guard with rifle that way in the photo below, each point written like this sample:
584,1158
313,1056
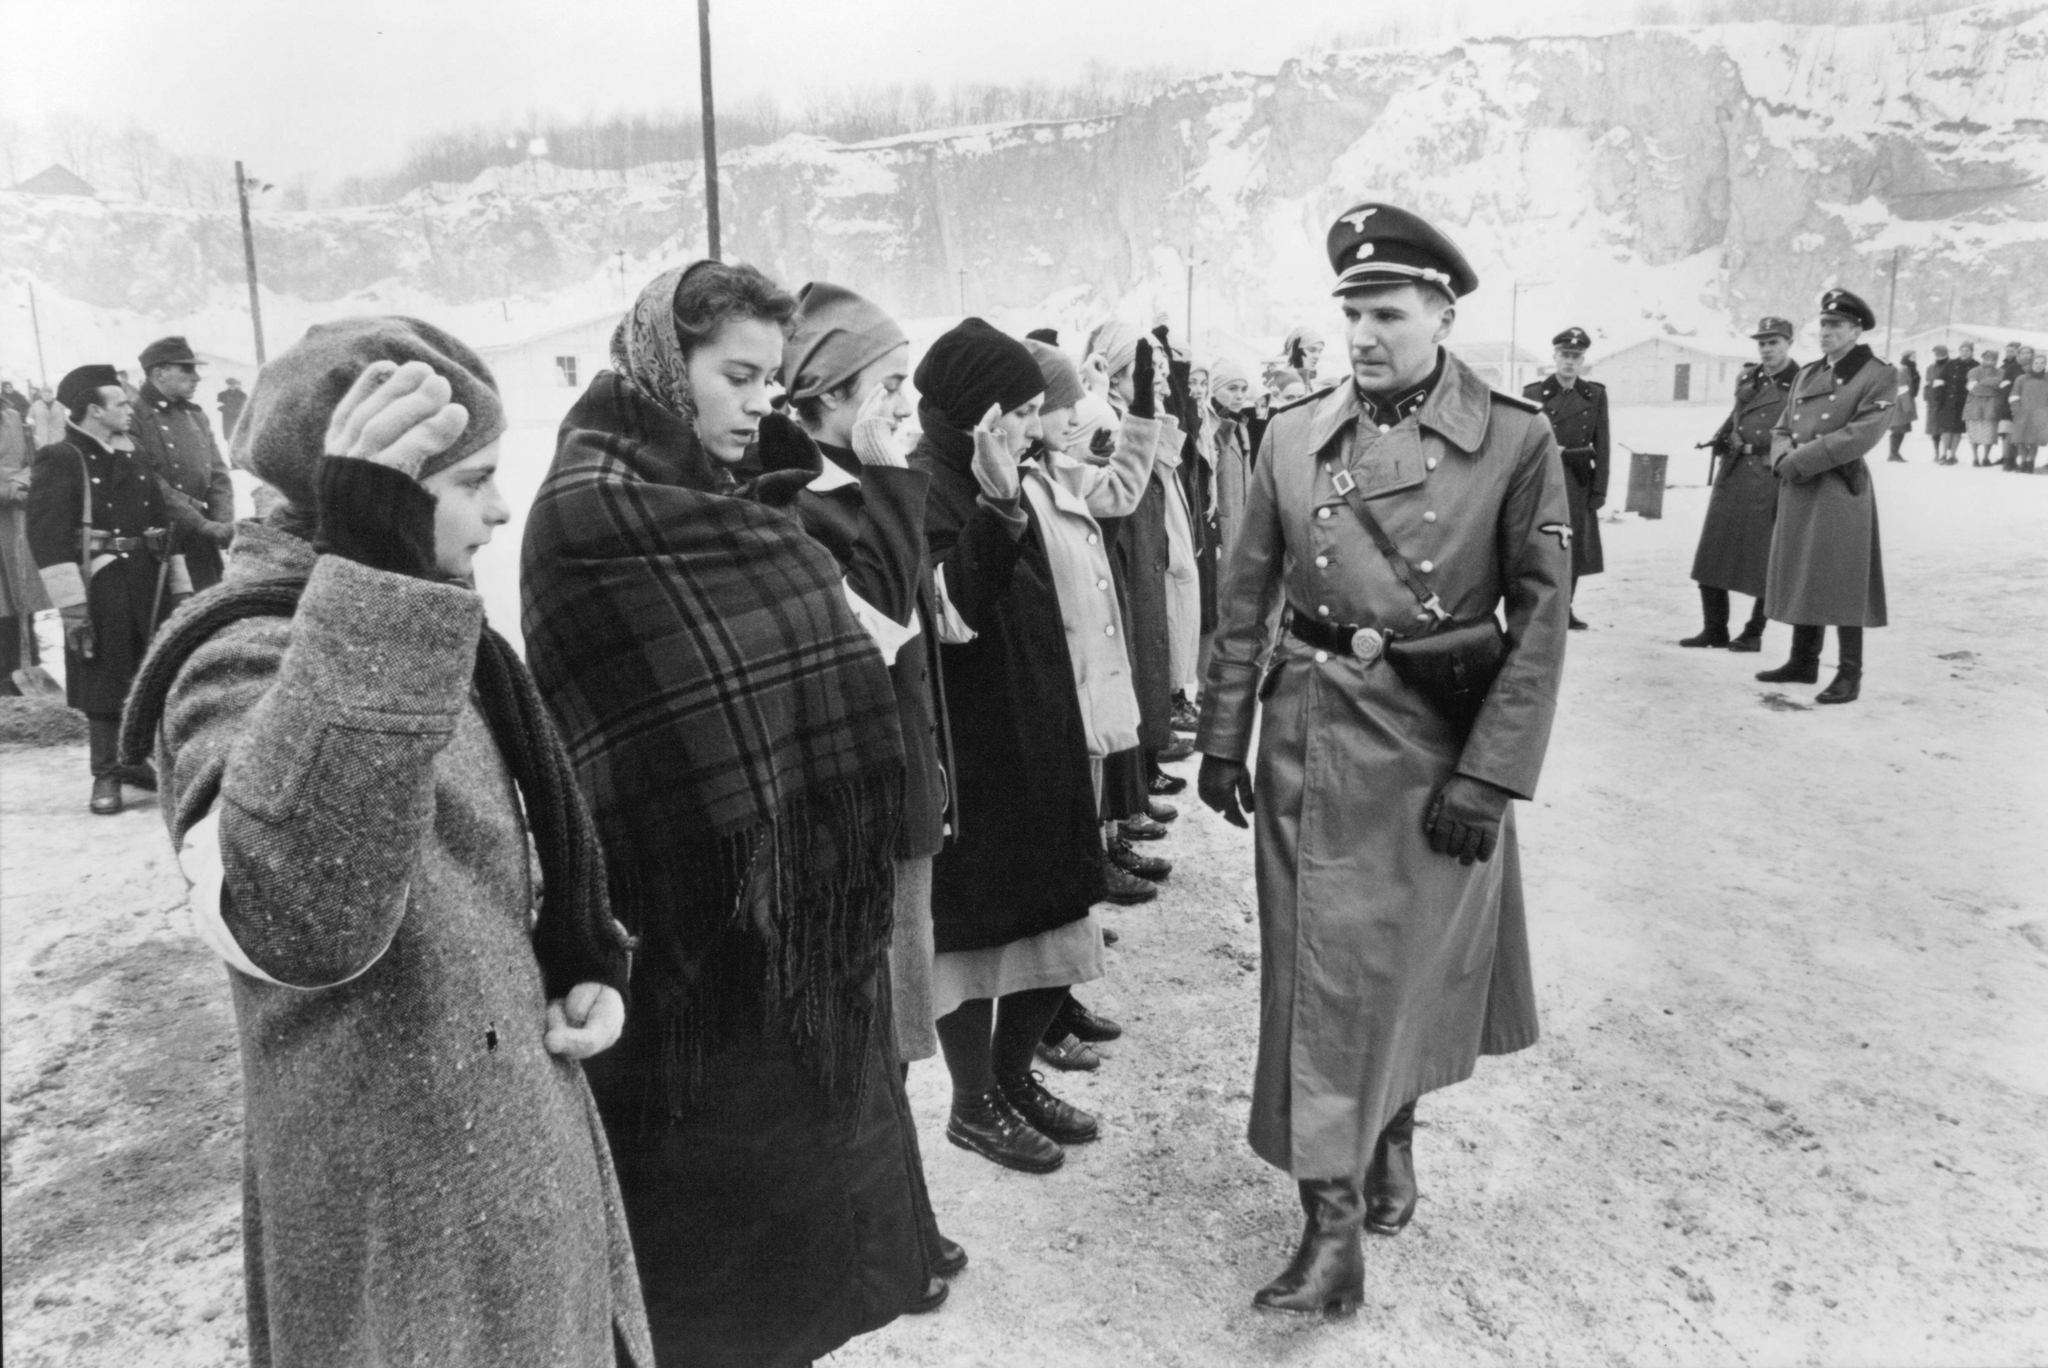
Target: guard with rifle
1826,565
1577,409
1734,554
102,541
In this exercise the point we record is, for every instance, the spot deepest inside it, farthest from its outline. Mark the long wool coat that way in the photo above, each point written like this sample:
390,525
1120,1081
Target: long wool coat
1827,567
1387,969
21,587
1029,855
425,1184
1578,416
175,440
1735,540
1948,384
2030,409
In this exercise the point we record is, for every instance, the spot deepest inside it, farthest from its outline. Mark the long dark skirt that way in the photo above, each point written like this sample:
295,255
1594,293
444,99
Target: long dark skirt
767,1235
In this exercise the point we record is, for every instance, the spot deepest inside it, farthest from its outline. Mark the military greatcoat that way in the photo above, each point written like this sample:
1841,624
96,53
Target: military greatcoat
1826,565
1578,415
1387,969
1735,541
176,442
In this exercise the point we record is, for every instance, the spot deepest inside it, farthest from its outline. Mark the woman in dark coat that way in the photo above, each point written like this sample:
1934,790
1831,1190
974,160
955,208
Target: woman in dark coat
735,730
1011,894
356,772
1904,407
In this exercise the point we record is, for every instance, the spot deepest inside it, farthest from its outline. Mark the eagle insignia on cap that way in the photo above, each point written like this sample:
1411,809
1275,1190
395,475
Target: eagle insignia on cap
1357,220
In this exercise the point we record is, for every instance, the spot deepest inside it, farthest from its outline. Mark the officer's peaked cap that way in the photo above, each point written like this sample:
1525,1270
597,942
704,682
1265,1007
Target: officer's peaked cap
1572,339
1845,304
1375,245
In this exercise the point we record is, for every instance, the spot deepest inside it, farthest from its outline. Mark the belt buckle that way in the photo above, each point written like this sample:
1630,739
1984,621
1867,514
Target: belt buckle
1367,643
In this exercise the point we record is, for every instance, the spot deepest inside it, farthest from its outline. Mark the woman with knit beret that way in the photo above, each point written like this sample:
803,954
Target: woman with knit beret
735,729
355,769
1011,894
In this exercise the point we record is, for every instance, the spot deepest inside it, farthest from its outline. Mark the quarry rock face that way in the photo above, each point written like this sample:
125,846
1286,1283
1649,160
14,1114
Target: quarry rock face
1682,178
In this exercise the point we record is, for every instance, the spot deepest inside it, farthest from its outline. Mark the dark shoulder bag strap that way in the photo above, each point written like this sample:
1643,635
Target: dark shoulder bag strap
1432,606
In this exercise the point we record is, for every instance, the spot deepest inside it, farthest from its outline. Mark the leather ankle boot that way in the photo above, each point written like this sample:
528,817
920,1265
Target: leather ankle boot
1060,1121
1390,1180
106,795
1327,1275
987,1124
1804,666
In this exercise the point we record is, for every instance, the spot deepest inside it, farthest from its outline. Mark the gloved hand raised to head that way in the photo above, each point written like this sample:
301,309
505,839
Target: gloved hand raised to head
396,416
995,465
1143,402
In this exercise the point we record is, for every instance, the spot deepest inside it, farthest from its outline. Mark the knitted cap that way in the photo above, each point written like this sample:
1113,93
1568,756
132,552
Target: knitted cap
283,432
838,335
1116,342
1062,376
973,366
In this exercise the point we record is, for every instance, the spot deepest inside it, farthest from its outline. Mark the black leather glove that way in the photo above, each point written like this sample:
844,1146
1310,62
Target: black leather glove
1141,381
1225,787
1463,820
782,445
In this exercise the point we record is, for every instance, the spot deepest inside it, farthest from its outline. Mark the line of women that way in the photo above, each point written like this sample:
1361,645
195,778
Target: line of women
577,994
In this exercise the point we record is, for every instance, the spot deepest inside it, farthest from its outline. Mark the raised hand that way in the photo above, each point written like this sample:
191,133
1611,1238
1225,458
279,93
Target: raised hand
396,416
995,465
1143,402
874,442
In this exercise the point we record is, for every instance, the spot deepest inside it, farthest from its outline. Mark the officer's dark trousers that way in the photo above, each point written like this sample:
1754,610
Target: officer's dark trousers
1715,604
103,741
1806,643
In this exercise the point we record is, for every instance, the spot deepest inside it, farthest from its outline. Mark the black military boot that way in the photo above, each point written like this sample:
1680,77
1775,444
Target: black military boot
987,1124
1752,638
1804,666
102,746
1390,1179
1714,610
1848,682
1057,1120
1327,1275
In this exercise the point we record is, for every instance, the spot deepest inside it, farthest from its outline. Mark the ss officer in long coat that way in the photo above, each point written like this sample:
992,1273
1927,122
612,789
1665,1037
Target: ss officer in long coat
1827,568
1577,409
101,538
1735,541
177,443
1394,949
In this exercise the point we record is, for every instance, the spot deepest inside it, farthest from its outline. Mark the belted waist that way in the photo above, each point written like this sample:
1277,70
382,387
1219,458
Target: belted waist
106,543
1338,638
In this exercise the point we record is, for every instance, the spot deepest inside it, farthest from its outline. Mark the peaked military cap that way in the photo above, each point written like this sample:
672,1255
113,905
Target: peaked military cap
1572,339
168,351
1375,245
1845,304
85,383
1771,326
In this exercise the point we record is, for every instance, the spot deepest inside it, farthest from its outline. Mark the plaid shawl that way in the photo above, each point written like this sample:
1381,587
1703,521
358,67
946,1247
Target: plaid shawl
733,727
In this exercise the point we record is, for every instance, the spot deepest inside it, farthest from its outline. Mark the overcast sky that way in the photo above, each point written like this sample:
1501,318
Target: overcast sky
330,88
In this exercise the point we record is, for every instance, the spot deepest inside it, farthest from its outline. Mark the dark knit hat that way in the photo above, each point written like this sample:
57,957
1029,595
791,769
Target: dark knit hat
1062,378
84,383
974,366
283,431
838,335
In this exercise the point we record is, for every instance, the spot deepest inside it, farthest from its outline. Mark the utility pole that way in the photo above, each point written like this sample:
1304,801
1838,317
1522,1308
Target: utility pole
35,320
962,273
1191,299
1891,304
1514,323
710,128
249,260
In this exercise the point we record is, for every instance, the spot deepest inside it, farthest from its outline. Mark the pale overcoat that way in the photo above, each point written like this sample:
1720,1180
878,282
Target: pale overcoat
1735,540
1827,568
1387,969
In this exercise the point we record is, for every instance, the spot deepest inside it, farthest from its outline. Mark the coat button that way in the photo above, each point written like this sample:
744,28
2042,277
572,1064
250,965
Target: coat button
1091,539
1102,584
1383,427
1322,562
1429,464
1427,566
1322,657
1323,513
1429,516
1109,629
1322,610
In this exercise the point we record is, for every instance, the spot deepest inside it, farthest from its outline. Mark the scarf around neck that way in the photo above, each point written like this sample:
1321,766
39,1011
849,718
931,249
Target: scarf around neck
732,724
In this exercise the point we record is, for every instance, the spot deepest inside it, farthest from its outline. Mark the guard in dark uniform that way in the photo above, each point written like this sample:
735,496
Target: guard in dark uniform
1577,409
1734,554
1394,949
101,537
176,442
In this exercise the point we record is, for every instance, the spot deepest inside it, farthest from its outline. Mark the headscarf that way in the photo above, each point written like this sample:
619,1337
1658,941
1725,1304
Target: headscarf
730,721
1226,369
1062,378
838,335
1116,342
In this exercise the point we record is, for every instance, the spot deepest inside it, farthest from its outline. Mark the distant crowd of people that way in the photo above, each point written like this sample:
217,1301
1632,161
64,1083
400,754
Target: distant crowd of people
1998,402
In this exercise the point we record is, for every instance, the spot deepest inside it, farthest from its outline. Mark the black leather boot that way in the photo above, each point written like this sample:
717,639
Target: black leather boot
1075,1019
1714,612
1752,638
1327,1275
990,1126
1057,1120
106,795
1390,1179
103,736
1848,682
1804,666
